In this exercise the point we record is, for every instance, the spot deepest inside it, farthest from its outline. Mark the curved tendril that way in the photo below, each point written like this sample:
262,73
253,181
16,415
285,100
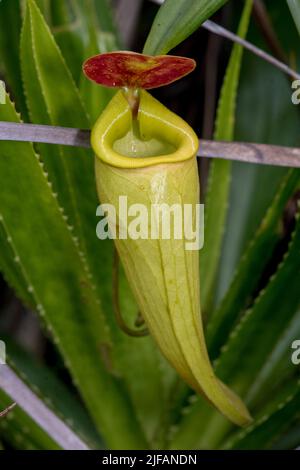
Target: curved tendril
116,304
139,321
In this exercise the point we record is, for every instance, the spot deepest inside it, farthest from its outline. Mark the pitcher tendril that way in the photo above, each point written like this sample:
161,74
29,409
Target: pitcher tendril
116,304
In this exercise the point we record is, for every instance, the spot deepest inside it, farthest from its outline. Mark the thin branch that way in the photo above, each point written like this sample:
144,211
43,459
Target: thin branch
14,387
217,29
5,412
240,151
251,153
44,134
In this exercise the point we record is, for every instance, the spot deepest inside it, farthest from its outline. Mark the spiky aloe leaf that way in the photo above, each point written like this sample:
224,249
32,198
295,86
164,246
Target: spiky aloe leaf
71,172
251,266
65,26
50,389
254,186
252,338
20,431
250,344
61,287
216,202
100,35
294,6
10,268
10,27
271,423
277,369
95,97
47,426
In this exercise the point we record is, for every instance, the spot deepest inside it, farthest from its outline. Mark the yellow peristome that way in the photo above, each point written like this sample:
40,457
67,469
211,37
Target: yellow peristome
163,274
155,121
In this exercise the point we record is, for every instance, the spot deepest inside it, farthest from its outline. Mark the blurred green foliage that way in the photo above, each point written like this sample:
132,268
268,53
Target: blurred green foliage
123,393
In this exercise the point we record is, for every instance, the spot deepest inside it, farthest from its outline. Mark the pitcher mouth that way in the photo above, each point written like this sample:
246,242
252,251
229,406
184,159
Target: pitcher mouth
165,137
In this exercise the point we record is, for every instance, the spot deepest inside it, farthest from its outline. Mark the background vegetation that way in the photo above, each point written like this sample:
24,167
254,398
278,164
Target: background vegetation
106,389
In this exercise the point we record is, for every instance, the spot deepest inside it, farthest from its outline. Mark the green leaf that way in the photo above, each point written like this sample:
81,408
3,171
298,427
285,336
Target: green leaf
215,208
175,21
65,27
216,202
254,186
251,344
101,36
71,170
96,97
250,268
152,391
10,268
53,392
252,340
278,368
286,31
40,114
270,426
72,174
18,430
44,6
97,15
30,403
10,27
294,6
259,331
289,440
100,14
56,274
